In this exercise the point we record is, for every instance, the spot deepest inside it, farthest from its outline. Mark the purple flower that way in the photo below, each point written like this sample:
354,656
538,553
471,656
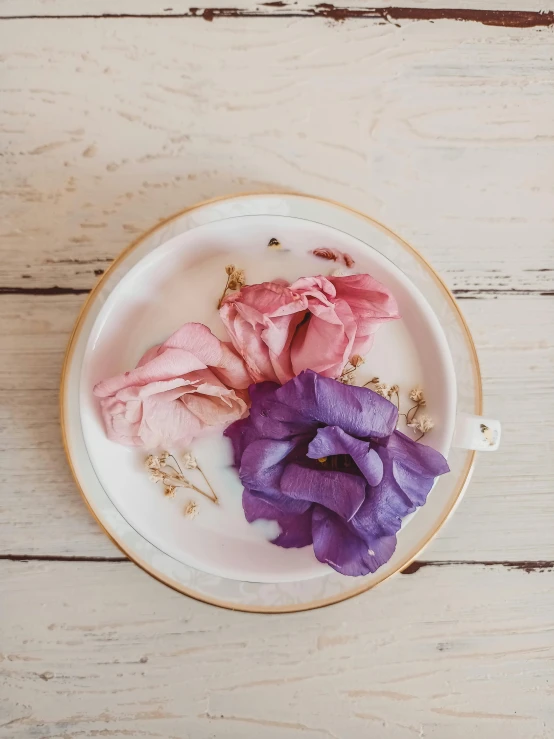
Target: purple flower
324,460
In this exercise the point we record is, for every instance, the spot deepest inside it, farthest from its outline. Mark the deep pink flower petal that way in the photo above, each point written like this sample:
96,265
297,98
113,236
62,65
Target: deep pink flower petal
357,410
296,530
261,320
332,440
371,303
316,323
339,491
336,544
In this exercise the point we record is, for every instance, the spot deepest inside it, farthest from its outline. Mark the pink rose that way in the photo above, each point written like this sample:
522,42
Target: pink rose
316,323
178,391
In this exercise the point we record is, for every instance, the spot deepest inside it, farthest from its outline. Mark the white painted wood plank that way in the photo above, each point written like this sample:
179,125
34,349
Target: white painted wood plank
441,130
19,8
508,512
101,650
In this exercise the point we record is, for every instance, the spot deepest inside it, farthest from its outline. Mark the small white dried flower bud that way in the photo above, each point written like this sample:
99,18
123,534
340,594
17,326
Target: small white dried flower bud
229,269
157,475
236,280
169,491
163,458
416,394
394,389
426,424
383,389
189,461
191,509
423,424
152,462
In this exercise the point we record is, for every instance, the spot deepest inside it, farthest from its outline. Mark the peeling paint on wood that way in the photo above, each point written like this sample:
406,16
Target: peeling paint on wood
281,9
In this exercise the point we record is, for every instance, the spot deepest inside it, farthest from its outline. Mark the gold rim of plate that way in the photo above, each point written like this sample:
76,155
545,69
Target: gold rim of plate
462,482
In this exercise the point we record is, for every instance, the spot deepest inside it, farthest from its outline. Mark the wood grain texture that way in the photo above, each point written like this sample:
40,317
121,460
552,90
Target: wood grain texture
41,512
440,128
443,131
108,652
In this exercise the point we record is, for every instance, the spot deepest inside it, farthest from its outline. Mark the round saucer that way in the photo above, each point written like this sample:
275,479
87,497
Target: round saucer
166,278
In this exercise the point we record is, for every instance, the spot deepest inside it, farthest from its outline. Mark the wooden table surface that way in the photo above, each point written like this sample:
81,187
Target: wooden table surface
439,123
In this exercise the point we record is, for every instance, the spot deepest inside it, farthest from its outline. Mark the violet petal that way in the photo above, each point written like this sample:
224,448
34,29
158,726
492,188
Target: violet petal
357,410
296,530
332,440
241,433
384,508
415,466
409,473
283,503
336,544
339,491
272,419
262,464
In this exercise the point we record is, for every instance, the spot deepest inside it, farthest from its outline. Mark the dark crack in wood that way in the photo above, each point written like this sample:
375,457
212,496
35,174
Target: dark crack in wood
281,9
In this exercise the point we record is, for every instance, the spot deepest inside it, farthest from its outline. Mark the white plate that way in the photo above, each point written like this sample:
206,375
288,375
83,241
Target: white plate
175,274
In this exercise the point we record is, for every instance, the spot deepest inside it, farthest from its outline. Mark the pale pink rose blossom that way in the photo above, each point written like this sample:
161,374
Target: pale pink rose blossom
179,390
316,323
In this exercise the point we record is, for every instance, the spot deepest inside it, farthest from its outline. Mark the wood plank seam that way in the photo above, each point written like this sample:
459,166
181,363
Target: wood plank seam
528,566
460,293
393,15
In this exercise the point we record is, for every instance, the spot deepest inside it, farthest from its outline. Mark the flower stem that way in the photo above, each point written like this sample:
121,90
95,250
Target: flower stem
206,495
177,463
221,299
415,408
214,499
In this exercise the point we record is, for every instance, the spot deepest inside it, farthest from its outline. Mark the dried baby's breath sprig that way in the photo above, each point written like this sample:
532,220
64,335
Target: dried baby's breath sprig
347,374
373,381
423,424
172,476
189,461
416,394
381,388
385,390
152,462
191,509
235,280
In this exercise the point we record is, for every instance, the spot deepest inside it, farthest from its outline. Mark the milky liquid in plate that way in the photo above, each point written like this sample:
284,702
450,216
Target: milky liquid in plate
182,281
